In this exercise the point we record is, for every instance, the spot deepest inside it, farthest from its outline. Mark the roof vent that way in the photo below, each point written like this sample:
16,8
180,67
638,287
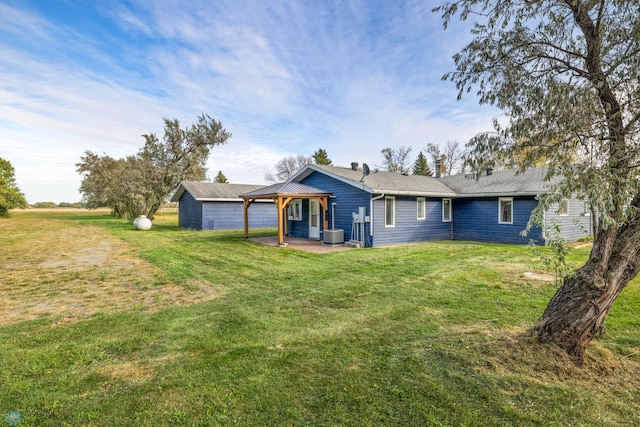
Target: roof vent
489,171
354,166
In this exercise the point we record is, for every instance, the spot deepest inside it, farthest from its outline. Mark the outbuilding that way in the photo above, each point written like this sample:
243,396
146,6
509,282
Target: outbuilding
216,206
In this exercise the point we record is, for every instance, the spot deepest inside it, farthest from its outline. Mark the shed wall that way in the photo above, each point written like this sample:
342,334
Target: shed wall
189,212
230,215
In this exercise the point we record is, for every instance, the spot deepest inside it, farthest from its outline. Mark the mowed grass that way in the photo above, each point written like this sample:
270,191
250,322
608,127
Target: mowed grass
205,328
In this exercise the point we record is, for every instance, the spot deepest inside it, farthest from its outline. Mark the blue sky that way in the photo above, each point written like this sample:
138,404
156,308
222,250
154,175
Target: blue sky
284,77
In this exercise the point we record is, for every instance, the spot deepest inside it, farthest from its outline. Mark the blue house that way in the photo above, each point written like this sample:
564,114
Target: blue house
383,208
215,206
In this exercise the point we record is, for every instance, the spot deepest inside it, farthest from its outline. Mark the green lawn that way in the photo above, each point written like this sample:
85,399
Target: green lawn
426,334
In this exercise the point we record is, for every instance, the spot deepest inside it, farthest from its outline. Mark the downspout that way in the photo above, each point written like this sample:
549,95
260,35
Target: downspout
371,212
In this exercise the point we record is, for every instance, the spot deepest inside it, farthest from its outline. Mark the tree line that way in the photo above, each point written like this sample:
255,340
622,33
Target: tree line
449,158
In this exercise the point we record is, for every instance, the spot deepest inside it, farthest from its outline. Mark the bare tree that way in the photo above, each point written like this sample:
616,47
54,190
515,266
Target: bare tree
396,159
451,156
287,167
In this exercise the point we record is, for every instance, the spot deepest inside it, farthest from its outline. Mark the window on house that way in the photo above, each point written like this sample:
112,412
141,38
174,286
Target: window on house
446,210
295,210
563,208
505,216
422,207
389,211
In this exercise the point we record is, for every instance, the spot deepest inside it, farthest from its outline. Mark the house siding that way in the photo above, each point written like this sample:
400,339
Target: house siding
573,226
189,212
219,215
408,228
347,198
230,215
476,219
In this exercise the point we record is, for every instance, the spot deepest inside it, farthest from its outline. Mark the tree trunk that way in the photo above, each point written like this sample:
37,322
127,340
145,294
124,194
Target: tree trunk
578,310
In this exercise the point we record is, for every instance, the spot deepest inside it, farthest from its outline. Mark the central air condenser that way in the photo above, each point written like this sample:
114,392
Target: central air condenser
333,237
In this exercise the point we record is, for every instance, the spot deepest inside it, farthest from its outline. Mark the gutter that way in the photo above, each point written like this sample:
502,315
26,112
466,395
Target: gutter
373,199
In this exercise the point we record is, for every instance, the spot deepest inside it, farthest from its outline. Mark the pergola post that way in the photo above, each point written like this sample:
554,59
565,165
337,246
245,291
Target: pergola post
280,207
246,217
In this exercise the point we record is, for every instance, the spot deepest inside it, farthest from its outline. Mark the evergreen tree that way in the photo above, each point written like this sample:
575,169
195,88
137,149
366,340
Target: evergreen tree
421,166
321,157
220,178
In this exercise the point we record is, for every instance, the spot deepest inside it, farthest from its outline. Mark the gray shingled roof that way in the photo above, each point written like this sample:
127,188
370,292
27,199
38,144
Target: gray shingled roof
501,183
284,188
383,182
210,191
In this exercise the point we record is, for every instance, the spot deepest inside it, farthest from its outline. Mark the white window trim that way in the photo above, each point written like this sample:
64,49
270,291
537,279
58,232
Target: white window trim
500,200
565,204
422,200
444,218
295,208
386,223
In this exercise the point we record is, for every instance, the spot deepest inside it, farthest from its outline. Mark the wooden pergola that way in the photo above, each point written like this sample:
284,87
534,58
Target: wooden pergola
282,194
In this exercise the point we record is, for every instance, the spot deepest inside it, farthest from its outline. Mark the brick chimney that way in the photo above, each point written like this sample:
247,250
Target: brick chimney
438,168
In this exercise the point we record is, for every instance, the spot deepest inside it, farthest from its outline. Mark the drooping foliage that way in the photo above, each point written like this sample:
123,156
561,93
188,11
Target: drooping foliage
566,75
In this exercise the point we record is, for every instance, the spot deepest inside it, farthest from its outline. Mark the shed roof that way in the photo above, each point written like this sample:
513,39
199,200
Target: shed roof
501,183
378,182
212,191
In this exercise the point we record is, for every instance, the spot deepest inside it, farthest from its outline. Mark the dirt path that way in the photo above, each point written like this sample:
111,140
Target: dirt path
66,270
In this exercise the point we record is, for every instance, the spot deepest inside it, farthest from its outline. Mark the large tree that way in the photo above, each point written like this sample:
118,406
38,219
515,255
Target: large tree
566,74
10,195
138,185
287,167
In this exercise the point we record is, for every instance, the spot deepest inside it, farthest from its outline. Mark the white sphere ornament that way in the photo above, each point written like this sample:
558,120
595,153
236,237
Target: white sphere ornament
142,223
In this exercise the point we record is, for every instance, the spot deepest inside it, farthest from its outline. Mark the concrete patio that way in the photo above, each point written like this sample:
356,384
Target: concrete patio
307,245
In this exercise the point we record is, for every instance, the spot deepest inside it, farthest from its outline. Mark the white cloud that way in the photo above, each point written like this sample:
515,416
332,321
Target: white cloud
285,78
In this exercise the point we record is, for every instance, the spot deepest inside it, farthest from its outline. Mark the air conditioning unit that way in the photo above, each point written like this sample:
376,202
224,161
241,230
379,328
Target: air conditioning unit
333,237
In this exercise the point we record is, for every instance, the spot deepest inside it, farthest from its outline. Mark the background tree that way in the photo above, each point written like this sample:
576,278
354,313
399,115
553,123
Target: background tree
138,185
10,195
451,155
287,166
566,75
321,157
421,166
396,159
220,178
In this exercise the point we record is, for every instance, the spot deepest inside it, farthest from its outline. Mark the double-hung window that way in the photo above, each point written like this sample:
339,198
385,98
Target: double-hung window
446,210
389,211
421,206
505,210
